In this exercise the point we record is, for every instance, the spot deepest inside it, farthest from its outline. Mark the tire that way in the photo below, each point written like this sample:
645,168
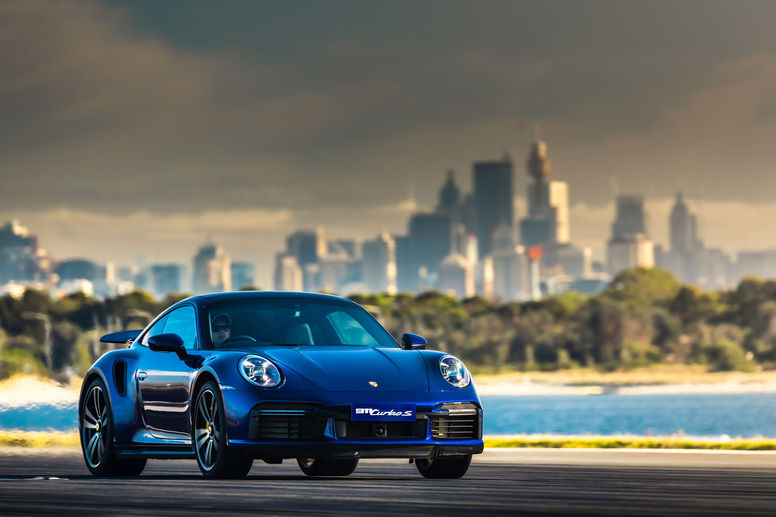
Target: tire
327,466
208,437
451,467
95,428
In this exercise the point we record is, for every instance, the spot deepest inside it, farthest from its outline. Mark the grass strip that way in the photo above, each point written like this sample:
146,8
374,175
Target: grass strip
576,442
38,439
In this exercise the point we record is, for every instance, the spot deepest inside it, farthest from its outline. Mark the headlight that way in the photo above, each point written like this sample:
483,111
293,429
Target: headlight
259,371
454,371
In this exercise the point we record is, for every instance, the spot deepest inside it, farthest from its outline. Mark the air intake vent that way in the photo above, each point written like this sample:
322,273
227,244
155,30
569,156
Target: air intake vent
458,422
290,427
120,377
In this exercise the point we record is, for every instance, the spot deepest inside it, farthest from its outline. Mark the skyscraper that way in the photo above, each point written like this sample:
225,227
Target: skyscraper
430,241
450,202
493,200
406,277
510,267
456,276
307,246
18,253
379,265
212,270
630,218
242,275
166,278
288,274
682,227
629,245
547,221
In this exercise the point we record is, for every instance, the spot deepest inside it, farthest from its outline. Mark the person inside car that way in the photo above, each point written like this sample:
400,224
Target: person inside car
220,329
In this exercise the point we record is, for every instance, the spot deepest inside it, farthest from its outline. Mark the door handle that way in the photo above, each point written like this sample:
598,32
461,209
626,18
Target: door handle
141,376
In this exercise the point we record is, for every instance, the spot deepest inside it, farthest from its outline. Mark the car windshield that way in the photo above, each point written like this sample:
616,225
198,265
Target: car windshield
293,321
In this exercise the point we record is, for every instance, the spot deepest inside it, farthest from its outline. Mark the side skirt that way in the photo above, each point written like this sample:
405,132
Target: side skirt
160,452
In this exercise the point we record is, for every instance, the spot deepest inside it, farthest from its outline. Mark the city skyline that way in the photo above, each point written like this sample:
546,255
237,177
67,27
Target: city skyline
145,128
437,250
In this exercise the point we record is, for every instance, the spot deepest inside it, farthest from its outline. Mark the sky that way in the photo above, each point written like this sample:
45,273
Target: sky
145,128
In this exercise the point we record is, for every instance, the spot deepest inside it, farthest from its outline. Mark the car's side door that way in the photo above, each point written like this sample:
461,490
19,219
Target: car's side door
164,377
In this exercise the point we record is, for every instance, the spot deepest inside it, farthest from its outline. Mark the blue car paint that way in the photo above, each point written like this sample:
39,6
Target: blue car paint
329,376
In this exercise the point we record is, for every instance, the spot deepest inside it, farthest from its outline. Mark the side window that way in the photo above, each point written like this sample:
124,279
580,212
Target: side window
183,322
158,328
350,331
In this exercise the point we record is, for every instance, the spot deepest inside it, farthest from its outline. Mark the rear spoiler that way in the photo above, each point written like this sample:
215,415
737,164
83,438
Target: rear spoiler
123,337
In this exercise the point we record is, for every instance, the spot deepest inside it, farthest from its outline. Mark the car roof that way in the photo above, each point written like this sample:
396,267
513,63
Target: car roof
205,299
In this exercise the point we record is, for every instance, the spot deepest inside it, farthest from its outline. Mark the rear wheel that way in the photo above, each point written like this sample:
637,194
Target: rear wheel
209,438
450,467
95,420
327,466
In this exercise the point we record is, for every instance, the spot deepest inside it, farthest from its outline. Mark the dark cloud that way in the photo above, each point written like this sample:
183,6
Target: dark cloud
311,107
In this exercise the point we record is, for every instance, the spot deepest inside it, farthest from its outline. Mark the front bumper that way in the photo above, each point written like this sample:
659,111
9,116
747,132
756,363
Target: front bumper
321,427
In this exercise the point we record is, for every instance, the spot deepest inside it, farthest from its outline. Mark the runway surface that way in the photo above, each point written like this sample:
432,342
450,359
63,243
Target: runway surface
499,482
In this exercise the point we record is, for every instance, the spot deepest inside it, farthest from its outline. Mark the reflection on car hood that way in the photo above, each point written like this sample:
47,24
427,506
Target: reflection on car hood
352,368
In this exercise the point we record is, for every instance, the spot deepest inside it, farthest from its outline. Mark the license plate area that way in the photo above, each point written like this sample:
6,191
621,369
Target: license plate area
383,412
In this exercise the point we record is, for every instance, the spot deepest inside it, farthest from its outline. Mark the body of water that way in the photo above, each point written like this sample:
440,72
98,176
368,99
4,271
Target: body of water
713,415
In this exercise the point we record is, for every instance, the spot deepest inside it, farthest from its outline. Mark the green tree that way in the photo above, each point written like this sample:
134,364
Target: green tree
642,287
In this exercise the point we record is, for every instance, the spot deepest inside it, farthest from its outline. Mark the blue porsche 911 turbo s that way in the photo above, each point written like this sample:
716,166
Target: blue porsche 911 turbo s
232,377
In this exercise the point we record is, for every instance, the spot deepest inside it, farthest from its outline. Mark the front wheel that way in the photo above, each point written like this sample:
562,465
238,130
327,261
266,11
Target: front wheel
95,420
327,466
209,438
451,467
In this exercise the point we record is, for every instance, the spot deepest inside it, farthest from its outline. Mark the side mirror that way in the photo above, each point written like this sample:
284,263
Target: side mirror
410,341
167,343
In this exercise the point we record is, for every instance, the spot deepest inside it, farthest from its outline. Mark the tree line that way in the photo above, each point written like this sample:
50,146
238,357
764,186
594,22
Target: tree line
644,317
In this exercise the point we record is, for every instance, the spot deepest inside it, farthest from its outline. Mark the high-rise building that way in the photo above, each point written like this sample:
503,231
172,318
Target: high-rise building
406,276
559,203
348,247
629,245
307,246
379,265
18,254
510,267
682,227
166,278
288,274
333,272
493,200
630,219
456,276
465,243
630,251
547,221
450,201
212,270
75,269
430,241
242,275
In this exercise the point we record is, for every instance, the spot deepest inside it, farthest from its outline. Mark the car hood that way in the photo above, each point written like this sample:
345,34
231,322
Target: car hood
353,368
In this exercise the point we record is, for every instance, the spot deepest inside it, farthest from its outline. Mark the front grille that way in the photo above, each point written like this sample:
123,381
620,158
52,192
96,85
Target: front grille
459,422
289,427
393,430
272,421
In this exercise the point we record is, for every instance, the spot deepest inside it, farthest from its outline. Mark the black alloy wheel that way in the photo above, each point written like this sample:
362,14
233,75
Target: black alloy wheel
209,438
450,467
327,466
95,421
